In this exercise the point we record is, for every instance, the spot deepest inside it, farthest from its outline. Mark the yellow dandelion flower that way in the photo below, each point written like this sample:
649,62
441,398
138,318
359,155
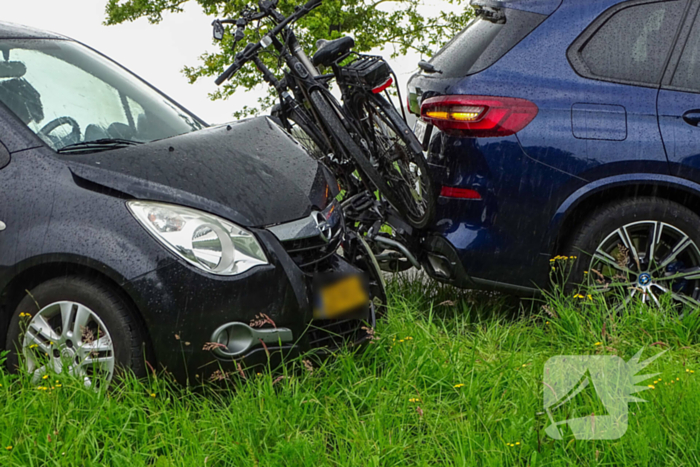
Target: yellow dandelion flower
414,399
34,346
598,343
58,385
585,272
9,448
687,370
524,364
517,442
590,297
578,295
45,377
459,385
678,379
651,386
400,340
153,394
692,371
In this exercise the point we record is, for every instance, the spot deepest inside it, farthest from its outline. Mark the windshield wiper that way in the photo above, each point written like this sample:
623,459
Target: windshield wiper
428,67
490,11
104,144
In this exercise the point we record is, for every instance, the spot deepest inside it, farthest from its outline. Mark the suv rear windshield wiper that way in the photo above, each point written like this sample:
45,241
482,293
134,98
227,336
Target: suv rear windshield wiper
97,145
489,11
494,15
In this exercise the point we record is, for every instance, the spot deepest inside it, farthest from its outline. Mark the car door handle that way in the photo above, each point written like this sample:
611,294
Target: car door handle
692,117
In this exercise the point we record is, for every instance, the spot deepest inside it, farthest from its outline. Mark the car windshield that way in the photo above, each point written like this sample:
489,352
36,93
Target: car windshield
72,97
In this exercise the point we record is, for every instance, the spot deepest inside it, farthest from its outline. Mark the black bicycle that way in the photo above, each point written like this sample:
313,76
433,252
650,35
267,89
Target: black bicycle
365,142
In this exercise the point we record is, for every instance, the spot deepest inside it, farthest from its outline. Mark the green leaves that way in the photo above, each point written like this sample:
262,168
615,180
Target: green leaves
395,26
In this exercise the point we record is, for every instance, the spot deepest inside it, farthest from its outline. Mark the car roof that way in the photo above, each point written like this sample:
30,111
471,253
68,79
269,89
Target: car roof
18,31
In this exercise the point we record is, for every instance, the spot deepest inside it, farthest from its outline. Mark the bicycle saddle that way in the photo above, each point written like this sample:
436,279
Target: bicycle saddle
331,51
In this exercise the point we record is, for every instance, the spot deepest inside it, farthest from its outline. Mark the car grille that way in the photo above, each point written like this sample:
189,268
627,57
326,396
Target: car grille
310,253
314,239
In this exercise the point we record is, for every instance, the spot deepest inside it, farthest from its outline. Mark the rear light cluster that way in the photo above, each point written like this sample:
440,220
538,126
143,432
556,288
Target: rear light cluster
383,86
478,116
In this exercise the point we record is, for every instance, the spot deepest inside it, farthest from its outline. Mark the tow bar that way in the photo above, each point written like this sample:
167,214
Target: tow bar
396,250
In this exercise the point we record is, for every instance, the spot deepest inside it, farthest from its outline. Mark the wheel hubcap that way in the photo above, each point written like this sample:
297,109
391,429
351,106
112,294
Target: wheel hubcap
644,279
69,336
648,259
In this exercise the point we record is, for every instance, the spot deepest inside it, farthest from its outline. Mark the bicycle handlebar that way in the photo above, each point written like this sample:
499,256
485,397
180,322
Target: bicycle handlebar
253,48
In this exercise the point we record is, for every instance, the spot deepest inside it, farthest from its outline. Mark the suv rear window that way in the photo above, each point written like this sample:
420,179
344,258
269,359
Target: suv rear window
485,40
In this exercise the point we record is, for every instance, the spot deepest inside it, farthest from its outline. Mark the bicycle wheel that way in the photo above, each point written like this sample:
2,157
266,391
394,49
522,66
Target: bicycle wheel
398,155
303,131
329,115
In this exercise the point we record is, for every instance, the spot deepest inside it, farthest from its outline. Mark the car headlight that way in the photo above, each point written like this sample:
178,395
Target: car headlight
206,241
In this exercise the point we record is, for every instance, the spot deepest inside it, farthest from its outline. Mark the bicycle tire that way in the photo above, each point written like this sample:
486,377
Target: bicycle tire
335,126
399,155
301,130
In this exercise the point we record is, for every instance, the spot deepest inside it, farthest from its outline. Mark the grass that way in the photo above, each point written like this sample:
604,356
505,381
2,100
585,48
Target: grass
455,378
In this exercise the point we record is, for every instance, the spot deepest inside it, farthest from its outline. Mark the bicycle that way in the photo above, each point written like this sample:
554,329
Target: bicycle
365,142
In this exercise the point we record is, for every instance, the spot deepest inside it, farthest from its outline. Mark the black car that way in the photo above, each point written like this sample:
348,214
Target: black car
131,233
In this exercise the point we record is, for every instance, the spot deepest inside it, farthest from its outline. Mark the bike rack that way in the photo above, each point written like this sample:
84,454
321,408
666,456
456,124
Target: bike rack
368,215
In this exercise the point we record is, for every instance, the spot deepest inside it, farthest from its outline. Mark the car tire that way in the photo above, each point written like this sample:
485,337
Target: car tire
111,323
631,218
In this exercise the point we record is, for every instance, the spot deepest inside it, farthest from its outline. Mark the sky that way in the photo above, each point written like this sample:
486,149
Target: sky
157,53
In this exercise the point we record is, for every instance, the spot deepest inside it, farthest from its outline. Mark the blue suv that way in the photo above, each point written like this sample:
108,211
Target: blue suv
566,127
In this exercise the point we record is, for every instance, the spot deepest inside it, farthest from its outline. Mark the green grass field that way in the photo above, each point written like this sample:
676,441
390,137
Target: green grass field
454,378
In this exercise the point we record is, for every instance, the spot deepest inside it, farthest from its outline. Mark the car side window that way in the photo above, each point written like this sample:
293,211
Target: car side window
632,44
687,74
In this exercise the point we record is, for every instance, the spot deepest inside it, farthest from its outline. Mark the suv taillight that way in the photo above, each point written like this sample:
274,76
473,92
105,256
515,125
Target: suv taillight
480,116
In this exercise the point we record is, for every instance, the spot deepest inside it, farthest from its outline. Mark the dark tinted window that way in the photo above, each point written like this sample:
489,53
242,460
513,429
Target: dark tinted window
687,73
484,41
633,44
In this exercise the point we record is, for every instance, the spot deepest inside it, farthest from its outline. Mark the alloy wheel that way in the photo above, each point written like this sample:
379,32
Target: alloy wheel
68,336
648,259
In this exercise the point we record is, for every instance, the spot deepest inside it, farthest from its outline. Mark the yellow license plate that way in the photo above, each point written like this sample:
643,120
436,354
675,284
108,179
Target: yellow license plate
341,297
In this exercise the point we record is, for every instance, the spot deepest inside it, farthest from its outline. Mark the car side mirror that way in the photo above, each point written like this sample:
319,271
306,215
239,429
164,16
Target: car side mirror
4,156
218,30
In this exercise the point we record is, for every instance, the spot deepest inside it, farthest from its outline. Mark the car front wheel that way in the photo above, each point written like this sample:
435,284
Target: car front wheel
640,249
76,326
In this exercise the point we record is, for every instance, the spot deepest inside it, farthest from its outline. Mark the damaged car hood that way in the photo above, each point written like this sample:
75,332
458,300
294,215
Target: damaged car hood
250,172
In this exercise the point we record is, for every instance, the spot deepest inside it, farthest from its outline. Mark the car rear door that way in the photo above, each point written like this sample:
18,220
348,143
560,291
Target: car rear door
679,101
